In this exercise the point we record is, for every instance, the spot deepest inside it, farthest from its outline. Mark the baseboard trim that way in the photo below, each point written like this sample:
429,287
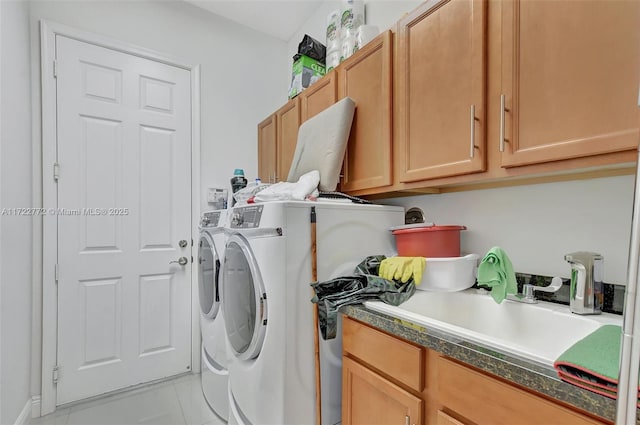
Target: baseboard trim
36,406
25,415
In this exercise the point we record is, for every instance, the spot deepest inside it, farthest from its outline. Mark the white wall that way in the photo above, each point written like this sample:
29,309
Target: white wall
243,80
537,224
15,191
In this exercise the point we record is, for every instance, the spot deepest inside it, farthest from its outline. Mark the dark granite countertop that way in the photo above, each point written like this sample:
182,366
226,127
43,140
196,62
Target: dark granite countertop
537,377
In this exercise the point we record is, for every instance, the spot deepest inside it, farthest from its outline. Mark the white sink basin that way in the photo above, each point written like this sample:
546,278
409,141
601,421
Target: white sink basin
538,332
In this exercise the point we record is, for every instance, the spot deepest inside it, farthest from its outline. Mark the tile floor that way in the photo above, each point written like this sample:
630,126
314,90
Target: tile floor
175,402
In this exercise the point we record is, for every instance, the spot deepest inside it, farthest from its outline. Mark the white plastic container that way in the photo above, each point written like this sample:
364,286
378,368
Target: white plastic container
333,30
365,34
352,14
333,59
348,47
449,274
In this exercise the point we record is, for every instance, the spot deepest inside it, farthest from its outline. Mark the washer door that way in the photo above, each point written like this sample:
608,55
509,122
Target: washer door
208,276
245,300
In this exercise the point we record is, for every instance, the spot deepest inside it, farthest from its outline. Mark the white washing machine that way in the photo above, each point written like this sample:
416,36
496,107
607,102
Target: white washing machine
214,375
267,309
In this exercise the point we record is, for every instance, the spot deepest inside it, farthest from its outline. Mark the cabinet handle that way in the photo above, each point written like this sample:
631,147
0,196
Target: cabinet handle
473,131
503,109
407,420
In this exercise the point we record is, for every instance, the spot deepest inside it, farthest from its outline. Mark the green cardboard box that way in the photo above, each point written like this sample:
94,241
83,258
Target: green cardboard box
306,71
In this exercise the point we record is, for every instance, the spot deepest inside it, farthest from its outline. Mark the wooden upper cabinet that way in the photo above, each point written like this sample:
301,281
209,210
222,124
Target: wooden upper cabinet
267,149
366,78
368,398
440,99
288,121
318,97
570,73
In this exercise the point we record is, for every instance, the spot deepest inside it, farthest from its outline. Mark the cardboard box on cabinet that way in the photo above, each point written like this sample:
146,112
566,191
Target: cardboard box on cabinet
305,71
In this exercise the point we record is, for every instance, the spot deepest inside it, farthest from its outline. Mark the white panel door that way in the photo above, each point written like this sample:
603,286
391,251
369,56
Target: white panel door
124,196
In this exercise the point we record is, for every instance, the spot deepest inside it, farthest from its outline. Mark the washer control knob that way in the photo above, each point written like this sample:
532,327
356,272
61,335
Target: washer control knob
237,219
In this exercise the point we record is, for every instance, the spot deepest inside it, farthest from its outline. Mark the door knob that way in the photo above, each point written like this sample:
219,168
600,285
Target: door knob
183,243
182,261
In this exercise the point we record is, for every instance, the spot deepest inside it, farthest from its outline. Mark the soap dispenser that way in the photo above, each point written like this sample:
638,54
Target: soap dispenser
586,294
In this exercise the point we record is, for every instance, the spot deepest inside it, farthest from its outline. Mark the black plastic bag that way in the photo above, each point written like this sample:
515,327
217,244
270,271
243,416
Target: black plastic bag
311,47
364,285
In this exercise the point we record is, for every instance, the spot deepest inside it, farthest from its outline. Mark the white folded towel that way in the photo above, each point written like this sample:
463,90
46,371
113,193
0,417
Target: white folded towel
298,191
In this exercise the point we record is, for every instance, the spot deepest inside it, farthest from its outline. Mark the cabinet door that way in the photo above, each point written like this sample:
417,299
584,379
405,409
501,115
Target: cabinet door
571,89
445,419
318,97
486,400
441,90
366,78
288,121
369,399
267,149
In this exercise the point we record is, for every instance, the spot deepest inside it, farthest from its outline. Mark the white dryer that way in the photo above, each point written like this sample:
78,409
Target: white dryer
214,375
267,309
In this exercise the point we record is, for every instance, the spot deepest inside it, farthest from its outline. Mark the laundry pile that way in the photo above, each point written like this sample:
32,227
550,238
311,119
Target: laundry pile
365,284
306,185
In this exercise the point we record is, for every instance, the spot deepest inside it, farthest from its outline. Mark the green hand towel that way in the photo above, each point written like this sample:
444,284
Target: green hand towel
496,272
597,354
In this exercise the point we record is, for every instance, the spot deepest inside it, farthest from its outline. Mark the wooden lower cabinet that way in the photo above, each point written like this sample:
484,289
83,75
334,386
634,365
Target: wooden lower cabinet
379,386
370,399
446,419
486,400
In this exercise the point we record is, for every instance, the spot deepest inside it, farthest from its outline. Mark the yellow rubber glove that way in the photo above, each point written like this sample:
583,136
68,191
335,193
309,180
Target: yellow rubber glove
392,267
415,268
402,269
385,270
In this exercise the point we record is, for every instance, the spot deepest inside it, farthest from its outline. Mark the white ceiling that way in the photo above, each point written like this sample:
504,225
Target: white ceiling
278,18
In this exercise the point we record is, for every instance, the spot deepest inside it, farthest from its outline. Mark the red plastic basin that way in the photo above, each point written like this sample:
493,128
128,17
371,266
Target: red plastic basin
433,241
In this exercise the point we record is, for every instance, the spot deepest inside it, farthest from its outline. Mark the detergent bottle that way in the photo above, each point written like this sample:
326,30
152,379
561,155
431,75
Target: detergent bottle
238,181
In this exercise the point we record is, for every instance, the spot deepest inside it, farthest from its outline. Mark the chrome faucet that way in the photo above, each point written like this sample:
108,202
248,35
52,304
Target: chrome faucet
586,295
528,291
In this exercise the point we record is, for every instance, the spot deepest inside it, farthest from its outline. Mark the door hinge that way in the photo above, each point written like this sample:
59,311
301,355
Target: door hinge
55,69
55,374
56,171
57,273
